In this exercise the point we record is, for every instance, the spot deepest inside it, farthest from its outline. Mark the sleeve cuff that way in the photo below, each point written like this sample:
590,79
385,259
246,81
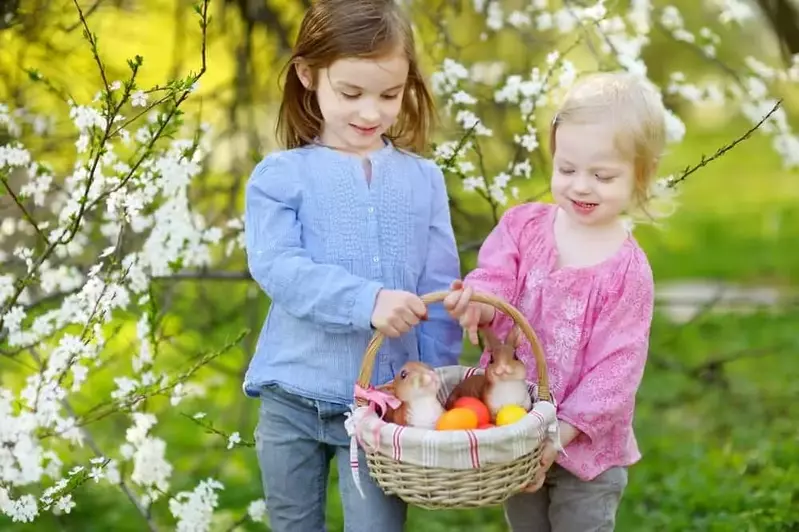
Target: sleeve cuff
364,305
582,427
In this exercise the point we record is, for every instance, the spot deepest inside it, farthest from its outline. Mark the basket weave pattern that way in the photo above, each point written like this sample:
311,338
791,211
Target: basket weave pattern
438,488
491,482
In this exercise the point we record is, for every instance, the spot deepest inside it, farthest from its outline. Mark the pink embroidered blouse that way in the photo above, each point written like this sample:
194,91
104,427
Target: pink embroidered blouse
593,324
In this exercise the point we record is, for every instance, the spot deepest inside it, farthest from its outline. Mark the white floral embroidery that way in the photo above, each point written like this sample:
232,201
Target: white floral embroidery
535,277
553,369
531,290
573,308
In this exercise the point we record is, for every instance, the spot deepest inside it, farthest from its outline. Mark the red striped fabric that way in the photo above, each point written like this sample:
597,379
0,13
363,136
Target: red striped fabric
474,449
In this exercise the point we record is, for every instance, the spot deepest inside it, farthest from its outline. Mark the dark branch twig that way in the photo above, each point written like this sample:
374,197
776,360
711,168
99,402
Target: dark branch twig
724,149
25,211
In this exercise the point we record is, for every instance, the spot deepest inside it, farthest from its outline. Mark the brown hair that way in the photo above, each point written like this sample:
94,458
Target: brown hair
334,29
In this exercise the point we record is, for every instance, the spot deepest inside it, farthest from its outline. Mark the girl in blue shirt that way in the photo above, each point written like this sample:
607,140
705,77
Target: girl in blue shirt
344,229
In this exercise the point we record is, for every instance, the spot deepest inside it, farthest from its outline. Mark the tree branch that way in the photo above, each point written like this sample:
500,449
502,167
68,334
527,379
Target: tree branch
724,149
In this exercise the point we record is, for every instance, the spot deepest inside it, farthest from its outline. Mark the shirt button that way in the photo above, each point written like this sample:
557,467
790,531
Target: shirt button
371,209
376,258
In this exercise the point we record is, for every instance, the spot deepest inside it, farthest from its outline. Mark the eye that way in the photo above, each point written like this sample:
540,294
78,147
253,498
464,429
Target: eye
566,171
403,374
348,96
605,178
515,356
391,96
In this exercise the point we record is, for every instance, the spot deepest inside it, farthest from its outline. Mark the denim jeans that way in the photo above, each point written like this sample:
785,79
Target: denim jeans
296,438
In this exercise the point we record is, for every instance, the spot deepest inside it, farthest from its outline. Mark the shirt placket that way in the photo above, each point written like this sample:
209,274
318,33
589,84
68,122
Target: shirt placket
383,362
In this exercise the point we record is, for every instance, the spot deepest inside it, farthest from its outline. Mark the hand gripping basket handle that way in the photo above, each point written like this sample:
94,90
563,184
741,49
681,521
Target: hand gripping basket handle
367,365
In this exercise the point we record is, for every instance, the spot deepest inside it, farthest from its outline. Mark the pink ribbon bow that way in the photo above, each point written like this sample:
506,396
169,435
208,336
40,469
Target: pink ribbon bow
377,398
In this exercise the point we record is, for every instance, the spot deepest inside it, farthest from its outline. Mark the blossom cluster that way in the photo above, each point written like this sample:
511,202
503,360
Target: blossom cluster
126,202
79,257
484,96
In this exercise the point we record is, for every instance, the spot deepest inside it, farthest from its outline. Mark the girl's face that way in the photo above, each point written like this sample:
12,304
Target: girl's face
591,181
360,99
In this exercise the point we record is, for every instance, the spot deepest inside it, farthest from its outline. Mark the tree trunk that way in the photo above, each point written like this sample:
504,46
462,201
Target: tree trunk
783,15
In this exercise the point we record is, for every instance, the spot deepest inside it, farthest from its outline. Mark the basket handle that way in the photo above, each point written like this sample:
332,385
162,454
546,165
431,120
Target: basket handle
368,362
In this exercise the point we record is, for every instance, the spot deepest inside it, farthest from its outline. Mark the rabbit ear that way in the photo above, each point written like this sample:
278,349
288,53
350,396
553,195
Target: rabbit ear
513,336
490,338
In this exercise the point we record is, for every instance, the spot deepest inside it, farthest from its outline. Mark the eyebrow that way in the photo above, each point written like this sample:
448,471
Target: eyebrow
356,87
604,165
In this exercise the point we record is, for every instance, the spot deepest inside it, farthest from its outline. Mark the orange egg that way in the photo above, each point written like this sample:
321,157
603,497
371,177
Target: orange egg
457,419
479,408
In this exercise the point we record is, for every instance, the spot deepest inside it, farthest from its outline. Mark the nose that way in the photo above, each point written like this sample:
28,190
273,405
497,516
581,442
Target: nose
369,112
502,369
581,184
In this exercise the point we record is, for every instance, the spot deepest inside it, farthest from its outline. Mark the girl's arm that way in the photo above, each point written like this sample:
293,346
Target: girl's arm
440,337
327,294
615,357
497,268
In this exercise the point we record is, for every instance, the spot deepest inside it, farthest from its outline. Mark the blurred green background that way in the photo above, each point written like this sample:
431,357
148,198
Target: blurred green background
718,421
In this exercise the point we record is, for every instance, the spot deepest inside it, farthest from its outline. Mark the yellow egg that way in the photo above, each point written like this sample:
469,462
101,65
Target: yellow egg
510,414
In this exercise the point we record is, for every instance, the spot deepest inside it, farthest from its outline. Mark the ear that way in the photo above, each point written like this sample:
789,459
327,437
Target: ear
304,73
513,336
491,339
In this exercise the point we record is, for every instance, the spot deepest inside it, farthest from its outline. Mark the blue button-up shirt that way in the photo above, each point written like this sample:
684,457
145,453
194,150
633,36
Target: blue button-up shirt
322,241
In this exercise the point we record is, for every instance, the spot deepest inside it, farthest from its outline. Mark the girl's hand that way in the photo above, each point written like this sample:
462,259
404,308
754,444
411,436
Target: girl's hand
469,314
548,456
397,311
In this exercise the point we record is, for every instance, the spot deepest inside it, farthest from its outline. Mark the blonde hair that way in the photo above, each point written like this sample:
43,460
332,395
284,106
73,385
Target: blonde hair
632,108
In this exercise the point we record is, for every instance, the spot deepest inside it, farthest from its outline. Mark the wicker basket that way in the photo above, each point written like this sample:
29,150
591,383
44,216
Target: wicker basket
487,484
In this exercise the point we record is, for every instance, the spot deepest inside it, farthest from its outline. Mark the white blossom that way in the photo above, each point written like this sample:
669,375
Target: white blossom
138,99
737,11
193,510
233,440
257,510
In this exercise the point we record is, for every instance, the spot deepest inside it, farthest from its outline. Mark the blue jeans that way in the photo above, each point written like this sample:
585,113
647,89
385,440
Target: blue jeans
295,440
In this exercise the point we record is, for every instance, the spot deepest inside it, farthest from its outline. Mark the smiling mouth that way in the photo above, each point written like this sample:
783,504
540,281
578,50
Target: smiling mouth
583,206
365,129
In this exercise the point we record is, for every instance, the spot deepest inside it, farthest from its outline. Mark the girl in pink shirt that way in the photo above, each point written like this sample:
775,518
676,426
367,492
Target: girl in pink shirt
585,286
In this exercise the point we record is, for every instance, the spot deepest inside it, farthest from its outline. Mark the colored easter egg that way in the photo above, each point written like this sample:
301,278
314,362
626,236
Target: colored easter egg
510,414
457,419
479,408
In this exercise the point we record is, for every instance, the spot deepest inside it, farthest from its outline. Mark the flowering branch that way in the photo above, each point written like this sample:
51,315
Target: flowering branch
232,439
25,212
98,472
622,34
724,149
130,398
125,208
